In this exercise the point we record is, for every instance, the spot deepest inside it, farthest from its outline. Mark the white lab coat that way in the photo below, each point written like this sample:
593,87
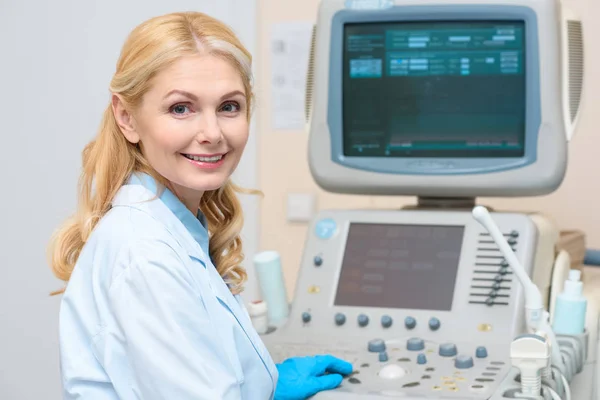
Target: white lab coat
147,316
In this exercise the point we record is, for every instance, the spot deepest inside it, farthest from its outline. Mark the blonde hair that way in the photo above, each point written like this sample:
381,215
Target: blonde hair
110,159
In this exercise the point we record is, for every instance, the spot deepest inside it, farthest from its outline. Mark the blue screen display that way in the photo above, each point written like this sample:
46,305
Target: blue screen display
434,89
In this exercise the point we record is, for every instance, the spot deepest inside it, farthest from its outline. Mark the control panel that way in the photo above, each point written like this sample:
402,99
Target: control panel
421,302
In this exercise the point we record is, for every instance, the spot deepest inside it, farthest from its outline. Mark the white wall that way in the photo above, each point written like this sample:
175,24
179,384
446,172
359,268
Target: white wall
57,60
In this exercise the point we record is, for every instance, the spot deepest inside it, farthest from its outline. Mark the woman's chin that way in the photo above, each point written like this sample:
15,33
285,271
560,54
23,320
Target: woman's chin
207,183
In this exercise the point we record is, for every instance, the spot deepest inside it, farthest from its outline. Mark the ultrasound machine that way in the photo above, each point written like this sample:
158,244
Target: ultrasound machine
447,101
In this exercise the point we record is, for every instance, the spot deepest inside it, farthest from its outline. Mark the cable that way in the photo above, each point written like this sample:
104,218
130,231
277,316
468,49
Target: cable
552,392
544,326
576,351
532,353
536,317
566,384
534,305
558,385
568,363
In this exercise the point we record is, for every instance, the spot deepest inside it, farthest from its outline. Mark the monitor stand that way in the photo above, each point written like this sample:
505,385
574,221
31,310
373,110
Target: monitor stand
442,203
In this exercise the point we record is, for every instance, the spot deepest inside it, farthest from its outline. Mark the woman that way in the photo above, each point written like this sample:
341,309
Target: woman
152,307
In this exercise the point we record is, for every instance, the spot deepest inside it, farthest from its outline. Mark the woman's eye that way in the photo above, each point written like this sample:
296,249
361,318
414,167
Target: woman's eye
231,107
180,109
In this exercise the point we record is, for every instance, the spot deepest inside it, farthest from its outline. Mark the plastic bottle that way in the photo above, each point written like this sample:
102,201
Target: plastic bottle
258,315
272,285
570,307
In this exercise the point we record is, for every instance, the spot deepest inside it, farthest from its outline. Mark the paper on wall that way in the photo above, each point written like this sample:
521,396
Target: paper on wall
290,50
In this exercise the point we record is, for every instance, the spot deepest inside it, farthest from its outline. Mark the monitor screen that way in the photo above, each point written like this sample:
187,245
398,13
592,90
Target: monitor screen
400,266
434,89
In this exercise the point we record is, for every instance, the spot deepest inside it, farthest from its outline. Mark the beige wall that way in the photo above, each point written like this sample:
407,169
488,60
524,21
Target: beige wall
576,205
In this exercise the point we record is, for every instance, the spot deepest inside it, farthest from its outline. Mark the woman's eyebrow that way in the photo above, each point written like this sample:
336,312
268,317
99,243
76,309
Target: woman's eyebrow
183,93
195,98
233,93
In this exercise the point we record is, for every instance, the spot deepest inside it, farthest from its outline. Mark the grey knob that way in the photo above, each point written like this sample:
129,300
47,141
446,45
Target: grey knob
463,362
447,350
376,345
306,317
421,359
481,352
363,320
410,322
383,357
340,319
386,321
434,324
415,344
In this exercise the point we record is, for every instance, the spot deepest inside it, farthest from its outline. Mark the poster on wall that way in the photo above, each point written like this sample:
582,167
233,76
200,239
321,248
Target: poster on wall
290,50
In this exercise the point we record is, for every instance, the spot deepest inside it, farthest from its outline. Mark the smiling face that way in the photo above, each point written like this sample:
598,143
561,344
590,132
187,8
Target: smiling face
192,124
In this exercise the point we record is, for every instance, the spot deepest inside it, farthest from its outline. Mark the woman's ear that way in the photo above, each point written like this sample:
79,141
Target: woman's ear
124,119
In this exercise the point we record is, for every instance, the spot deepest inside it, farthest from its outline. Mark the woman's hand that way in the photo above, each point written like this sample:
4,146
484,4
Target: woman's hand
302,377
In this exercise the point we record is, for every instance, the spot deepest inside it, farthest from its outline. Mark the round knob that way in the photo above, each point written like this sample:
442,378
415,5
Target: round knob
463,362
410,322
376,346
421,359
447,350
363,320
434,324
481,352
386,321
306,317
340,319
383,357
318,261
415,344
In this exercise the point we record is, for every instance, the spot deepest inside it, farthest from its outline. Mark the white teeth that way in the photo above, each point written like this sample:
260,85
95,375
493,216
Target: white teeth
204,159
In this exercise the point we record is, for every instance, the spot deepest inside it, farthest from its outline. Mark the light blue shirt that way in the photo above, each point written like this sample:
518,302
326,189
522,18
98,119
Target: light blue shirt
147,316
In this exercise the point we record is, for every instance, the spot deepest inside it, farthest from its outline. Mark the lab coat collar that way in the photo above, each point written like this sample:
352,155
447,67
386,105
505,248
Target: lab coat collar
141,192
195,224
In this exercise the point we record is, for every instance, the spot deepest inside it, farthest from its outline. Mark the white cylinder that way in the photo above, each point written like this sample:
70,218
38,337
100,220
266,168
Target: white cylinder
258,314
272,285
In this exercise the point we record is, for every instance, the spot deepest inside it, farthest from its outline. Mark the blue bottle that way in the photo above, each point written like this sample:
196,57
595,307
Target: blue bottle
570,307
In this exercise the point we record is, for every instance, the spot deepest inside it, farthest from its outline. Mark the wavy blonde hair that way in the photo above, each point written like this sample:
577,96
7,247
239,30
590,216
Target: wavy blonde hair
110,159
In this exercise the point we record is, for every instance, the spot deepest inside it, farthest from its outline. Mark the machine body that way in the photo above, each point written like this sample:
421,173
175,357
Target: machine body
445,100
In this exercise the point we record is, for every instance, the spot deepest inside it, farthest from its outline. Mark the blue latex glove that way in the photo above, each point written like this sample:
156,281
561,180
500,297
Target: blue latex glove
302,377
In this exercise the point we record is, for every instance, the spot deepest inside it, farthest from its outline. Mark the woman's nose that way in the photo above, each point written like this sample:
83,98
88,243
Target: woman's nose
210,130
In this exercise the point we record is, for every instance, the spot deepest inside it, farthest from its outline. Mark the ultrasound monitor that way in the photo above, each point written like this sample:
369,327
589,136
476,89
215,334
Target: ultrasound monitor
442,100
450,89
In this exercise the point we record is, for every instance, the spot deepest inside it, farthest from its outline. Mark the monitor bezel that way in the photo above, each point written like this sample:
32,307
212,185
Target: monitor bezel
415,165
